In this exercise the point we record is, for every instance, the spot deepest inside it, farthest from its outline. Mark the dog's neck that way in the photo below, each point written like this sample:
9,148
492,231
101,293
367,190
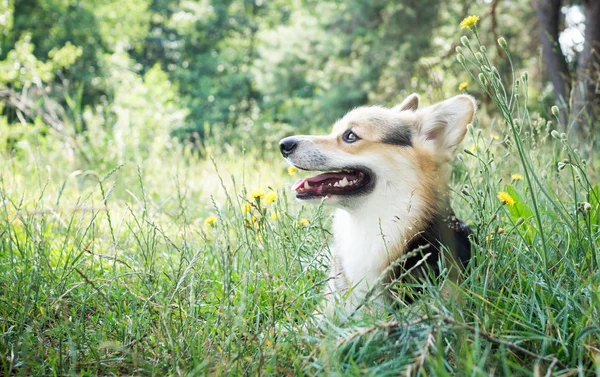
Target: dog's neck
369,238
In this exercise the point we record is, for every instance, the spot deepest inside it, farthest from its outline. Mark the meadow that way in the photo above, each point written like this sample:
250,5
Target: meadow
125,254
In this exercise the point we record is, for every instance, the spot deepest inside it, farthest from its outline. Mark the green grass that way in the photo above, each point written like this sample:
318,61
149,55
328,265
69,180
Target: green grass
108,268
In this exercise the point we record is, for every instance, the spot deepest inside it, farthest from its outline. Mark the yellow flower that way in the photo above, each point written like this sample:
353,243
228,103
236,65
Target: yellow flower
495,137
463,85
257,194
292,170
275,215
247,208
270,197
210,220
469,22
516,177
506,198
304,222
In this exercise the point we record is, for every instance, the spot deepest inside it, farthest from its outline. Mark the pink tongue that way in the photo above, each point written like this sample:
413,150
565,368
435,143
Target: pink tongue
298,183
320,178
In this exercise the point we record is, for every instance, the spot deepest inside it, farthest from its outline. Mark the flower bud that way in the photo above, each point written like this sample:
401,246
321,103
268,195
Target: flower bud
502,43
554,134
458,50
554,110
460,58
465,41
482,49
584,207
520,221
479,57
481,78
470,128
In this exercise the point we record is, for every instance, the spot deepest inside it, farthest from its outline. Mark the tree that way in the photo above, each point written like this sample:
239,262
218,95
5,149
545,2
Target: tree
548,12
588,65
585,100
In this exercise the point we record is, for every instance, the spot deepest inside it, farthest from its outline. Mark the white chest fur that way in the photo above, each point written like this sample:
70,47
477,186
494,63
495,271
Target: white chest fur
366,242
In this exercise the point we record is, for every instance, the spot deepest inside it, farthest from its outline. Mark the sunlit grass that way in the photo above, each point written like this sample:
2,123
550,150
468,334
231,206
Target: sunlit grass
186,265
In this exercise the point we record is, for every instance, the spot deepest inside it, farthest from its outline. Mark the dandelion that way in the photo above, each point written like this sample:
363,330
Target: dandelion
516,177
210,220
270,197
506,198
304,222
275,215
257,194
247,208
469,22
292,170
463,85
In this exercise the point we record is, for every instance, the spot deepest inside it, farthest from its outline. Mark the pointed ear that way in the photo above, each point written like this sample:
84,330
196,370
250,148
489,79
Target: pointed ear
411,103
443,126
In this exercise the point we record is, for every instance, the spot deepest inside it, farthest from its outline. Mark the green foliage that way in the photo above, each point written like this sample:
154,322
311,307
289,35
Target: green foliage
21,68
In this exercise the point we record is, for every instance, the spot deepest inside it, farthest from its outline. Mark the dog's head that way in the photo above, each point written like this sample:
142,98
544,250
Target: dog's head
381,152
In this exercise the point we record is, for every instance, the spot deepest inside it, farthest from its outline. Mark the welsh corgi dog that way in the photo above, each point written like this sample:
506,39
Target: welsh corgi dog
386,171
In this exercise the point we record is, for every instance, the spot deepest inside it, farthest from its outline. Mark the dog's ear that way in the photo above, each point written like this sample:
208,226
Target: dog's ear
443,126
411,103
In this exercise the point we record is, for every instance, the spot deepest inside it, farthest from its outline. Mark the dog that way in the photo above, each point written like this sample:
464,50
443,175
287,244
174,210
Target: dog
386,170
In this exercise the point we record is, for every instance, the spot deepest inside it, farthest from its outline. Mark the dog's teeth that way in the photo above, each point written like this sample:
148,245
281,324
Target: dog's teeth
337,184
344,182
306,185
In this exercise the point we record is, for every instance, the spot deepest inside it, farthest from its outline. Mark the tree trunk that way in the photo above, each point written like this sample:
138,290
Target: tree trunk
548,13
585,99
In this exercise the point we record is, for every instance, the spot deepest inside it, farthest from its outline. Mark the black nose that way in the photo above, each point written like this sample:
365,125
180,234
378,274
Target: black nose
287,146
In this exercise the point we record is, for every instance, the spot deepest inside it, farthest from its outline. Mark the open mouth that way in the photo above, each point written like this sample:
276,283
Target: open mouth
345,182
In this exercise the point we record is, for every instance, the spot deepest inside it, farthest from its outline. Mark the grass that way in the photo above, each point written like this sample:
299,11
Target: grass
111,268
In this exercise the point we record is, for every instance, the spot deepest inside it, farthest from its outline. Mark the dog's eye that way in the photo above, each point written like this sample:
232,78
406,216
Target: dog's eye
350,137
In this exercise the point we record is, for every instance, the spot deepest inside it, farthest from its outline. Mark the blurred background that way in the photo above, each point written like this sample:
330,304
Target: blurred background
141,73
